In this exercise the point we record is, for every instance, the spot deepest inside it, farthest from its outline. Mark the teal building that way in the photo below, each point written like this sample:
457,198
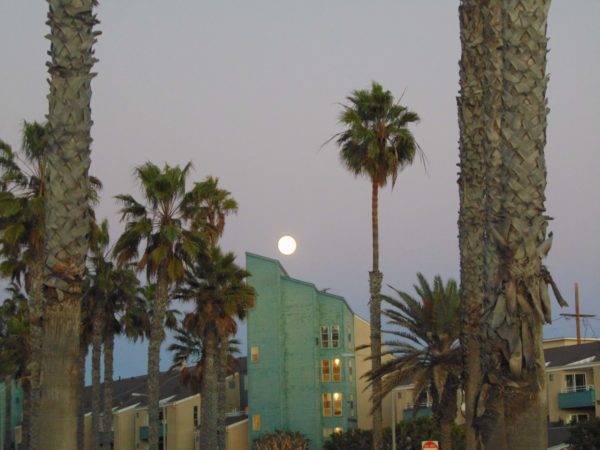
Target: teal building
16,394
301,356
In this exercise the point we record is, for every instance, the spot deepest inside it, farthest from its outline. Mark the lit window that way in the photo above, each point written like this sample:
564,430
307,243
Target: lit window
256,422
337,369
325,337
325,372
350,370
338,430
254,354
335,336
337,404
327,405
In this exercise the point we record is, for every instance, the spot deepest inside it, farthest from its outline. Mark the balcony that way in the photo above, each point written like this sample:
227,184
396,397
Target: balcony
144,431
577,397
423,411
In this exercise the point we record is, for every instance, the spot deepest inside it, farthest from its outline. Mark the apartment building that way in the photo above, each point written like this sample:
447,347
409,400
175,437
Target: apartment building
304,369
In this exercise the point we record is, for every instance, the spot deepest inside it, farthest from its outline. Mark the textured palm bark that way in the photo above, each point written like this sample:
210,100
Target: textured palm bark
66,215
471,212
60,373
35,292
375,280
8,431
97,326
491,423
157,336
107,415
208,393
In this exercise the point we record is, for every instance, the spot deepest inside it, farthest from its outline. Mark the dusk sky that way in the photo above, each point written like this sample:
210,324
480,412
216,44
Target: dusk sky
249,91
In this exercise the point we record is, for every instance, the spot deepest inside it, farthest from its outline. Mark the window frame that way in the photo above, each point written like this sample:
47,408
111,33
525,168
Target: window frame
335,341
256,425
327,404
325,374
338,402
254,353
336,370
325,341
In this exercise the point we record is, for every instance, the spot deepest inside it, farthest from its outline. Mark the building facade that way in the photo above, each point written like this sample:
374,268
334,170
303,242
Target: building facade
304,370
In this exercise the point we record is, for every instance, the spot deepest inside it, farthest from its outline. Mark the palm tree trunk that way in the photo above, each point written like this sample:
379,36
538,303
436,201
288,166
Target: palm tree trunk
157,335
8,430
66,215
83,351
97,328
36,307
109,344
471,215
375,280
221,364
208,393
58,407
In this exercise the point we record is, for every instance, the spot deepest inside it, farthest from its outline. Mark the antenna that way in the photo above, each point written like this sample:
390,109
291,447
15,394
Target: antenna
578,316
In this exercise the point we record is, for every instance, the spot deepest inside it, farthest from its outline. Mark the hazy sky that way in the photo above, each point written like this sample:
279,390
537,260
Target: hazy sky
248,91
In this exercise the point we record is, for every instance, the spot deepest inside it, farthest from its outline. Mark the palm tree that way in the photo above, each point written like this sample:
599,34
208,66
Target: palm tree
220,294
111,290
509,126
21,207
377,144
159,225
424,348
67,214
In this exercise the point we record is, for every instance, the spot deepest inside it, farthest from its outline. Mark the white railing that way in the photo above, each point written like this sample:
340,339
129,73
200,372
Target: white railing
581,388
421,405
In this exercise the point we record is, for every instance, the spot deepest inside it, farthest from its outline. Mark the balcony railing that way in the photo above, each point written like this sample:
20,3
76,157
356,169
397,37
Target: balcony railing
424,410
577,397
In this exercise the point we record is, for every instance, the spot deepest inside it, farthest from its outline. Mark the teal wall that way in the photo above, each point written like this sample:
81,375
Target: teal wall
284,385
17,407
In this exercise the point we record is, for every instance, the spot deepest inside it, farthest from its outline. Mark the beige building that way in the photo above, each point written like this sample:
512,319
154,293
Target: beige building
179,414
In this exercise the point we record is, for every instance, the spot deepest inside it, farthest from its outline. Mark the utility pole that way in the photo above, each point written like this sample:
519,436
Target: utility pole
578,316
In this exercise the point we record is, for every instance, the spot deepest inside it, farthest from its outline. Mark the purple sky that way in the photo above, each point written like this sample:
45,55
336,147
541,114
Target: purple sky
249,91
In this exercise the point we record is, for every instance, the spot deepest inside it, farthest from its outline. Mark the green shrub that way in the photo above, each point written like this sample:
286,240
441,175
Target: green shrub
409,434
281,440
585,435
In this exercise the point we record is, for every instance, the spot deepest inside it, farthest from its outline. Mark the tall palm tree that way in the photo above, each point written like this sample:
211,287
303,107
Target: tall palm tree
510,127
111,290
21,207
161,226
424,348
72,37
377,144
220,294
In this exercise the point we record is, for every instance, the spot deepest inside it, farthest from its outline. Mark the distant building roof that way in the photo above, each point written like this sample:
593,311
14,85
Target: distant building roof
572,355
134,390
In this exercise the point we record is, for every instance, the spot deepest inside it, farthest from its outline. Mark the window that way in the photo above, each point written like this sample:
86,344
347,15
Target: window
195,416
337,369
337,404
575,382
256,422
351,405
327,432
326,405
350,370
338,430
349,337
325,372
576,418
254,354
335,336
324,337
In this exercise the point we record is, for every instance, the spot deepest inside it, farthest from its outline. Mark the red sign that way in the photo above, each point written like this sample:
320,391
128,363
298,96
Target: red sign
430,445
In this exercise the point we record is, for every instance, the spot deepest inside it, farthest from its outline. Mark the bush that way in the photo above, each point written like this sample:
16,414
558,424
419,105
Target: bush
585,435
409,434
281,440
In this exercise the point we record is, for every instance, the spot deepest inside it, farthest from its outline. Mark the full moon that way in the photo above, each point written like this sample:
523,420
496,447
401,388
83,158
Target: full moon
286,245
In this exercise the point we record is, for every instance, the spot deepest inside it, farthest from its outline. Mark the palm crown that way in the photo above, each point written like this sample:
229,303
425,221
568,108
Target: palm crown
377,142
